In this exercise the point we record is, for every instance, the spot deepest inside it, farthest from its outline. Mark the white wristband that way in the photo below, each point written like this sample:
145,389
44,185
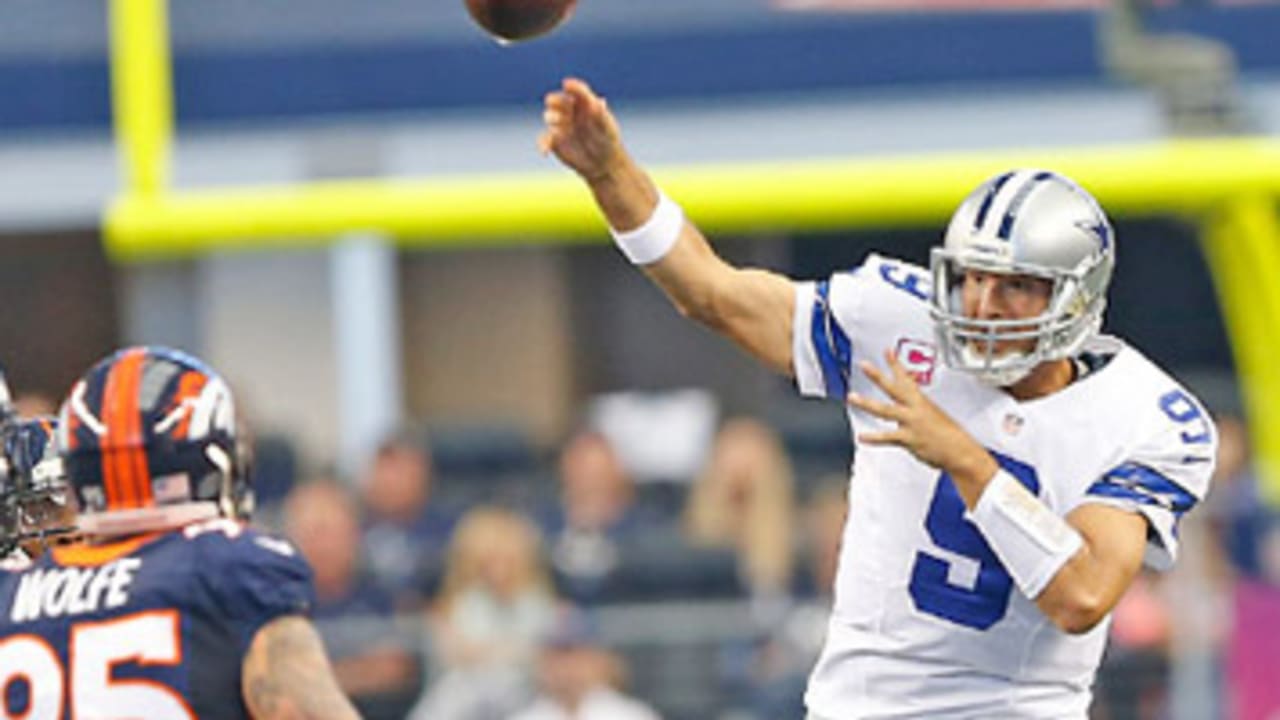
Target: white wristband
1031,541
655,238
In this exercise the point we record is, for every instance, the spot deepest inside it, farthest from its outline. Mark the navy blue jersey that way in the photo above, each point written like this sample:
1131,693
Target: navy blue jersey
152,627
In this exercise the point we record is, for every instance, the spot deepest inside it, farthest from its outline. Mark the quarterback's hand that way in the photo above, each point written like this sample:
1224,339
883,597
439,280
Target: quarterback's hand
922,427
581,131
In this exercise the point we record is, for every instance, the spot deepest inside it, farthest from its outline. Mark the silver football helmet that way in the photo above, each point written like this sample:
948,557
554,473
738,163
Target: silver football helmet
1023,222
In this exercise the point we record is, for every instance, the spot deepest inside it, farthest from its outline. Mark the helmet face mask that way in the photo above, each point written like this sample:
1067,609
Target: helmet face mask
36,504
150,442
1024,223
38,518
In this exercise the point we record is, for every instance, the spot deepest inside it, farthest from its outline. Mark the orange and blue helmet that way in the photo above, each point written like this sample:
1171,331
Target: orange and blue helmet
34,498
148,440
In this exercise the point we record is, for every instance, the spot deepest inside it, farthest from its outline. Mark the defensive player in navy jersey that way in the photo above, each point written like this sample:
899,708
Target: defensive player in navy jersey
170,607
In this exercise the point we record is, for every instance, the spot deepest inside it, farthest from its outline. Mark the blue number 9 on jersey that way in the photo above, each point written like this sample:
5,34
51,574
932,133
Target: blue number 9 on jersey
986,601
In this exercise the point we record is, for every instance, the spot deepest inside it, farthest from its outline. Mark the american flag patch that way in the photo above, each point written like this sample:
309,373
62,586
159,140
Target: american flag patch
168,488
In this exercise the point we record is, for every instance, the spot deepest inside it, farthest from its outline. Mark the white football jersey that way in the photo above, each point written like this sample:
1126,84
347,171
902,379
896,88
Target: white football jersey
926,621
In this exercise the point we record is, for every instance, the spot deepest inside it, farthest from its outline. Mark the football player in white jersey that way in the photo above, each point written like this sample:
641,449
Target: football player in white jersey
1013,467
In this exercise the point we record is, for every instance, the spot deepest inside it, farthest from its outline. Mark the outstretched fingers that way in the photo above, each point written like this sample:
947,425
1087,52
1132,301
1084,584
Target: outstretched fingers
577,88
558,117
903,394
880,379
897,436
897,383
902,378
878,408
546,141
571,109
584,100
893,411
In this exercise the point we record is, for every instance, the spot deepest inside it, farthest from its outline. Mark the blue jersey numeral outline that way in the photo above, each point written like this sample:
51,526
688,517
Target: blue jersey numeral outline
986,603
1182,409
911,282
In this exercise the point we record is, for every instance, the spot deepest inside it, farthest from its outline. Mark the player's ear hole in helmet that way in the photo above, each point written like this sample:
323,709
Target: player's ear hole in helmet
1035,223
149,441
36,507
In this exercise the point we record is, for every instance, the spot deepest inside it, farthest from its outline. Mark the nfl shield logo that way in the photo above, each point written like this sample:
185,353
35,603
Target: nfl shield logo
918,358
1013,423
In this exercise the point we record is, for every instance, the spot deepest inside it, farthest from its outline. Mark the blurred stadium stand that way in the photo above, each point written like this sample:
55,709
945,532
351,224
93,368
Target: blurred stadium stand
275,468
242,61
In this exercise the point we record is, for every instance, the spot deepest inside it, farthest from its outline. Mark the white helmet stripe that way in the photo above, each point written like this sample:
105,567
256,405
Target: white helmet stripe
212,409
83,413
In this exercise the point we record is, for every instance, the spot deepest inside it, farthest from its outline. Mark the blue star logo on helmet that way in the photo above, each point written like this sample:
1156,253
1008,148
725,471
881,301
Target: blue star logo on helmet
1098,229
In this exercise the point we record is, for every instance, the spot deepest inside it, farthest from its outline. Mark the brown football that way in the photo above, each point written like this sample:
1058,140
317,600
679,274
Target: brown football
520,19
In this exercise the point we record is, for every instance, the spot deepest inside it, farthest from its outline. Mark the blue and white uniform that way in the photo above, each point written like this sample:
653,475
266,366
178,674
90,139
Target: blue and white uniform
926,620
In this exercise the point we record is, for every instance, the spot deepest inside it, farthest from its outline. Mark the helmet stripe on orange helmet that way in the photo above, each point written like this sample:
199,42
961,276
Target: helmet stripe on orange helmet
111,477
124,462
137,453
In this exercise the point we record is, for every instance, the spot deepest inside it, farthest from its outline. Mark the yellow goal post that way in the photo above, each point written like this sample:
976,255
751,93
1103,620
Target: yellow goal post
1226,185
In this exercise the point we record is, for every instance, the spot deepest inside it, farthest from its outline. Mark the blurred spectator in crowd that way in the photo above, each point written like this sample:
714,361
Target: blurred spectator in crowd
766,677
744,499
1219,555
494,608
595,518
1198,589
34,404
371,658
1251,530
1133,681
405,532
1253,655
1242,514
580,680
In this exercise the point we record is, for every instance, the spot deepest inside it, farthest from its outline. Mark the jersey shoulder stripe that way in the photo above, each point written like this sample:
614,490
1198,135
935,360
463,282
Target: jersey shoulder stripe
853,314
830,343
1140,483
